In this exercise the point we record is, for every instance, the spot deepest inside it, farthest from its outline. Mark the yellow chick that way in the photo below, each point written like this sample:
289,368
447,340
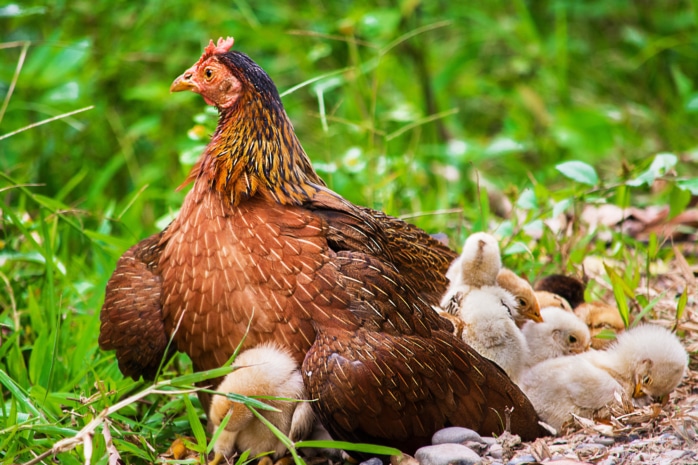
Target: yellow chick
489,328
646,363
265,370
548,299
528,308
599,316
561,333
477,266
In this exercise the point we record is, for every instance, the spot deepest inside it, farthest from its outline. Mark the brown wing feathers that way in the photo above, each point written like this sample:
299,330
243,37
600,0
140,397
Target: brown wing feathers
131,317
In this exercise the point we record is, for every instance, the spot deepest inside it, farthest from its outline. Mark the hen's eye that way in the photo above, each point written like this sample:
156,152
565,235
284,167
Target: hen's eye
208,73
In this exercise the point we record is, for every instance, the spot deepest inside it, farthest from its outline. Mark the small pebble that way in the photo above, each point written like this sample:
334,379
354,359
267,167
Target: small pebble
586,451
445,454
455,435
522,459
372,461
605,441
495,451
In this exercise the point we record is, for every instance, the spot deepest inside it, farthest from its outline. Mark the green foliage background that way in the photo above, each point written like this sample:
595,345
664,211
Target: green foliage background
407,106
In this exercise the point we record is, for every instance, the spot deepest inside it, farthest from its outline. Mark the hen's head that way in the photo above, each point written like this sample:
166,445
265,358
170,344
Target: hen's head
222,76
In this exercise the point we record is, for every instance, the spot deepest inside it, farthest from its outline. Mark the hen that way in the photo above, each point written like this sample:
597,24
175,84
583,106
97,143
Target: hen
261,241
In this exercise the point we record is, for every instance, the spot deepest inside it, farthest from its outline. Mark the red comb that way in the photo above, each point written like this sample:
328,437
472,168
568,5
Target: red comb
211,49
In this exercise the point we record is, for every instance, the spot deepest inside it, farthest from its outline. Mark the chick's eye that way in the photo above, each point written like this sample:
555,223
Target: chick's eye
573,339
647,379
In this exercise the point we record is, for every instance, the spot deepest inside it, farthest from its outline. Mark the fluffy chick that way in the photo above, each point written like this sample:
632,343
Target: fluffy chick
528,308
489,328
549,299
477,266
600,316
648,361
645,363
265,370
561,333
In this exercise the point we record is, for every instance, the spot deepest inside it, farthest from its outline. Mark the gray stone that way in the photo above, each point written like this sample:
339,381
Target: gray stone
496,451
455,435
372,461
445,454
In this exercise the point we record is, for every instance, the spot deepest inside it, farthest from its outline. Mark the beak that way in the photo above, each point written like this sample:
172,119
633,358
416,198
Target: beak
184,82
637,392
536,317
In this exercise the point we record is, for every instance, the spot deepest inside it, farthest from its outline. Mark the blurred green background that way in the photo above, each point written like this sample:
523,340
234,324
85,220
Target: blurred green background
408,106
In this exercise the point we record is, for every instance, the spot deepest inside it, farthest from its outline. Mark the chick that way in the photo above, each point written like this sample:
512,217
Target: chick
528,307
489,328
648,361
561,333
548,299
477,266
645,363
600,316
569,287
265,370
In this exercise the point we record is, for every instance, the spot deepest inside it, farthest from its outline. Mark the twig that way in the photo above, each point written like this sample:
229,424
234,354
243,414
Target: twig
40,123
84,436
15,77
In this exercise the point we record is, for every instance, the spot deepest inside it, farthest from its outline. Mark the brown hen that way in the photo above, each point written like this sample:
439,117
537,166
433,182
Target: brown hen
261,241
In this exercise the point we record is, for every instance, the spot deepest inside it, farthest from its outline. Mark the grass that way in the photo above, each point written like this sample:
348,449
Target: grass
424,110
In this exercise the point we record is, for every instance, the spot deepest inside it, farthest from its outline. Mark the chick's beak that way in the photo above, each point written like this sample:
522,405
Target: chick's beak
184,82
637,392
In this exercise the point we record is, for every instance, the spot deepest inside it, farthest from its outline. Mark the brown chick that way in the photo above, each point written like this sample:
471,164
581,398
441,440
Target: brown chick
528,308
600,316
265,370
262,248
548,299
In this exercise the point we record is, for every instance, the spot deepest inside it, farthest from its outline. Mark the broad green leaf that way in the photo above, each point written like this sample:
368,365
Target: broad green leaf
689,185
662,163
579,171
527,200
619,292
605,334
